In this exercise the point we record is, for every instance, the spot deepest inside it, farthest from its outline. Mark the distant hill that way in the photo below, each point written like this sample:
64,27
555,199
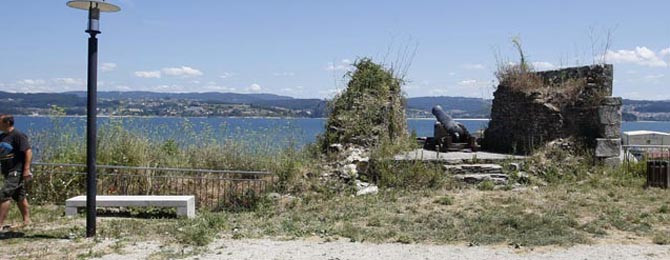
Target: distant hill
232,98
463,107
18,103
235,104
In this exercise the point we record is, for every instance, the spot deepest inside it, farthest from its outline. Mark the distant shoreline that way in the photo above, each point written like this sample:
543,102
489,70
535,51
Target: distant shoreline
242,117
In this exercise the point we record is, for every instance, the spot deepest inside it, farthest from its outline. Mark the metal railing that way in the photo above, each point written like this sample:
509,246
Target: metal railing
639,153
213,189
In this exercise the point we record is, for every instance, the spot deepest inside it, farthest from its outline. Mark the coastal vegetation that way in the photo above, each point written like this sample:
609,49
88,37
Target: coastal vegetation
562,198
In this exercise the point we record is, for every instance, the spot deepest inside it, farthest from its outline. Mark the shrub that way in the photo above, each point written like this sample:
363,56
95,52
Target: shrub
370,110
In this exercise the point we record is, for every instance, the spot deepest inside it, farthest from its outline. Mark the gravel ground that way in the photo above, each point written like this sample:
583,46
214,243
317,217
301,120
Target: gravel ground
340,250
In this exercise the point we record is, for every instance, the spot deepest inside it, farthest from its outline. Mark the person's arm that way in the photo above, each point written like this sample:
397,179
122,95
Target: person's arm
26,165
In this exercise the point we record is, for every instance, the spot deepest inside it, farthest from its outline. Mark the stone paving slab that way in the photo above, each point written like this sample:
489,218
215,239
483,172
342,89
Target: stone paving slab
455,157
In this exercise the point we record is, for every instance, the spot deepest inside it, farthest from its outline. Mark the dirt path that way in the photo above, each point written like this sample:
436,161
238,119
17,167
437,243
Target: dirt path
304,249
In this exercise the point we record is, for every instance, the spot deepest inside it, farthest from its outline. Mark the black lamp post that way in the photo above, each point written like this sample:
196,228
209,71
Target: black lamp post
94,8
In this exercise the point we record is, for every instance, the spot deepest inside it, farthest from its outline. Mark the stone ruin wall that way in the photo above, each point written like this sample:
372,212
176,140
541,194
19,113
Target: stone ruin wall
521,122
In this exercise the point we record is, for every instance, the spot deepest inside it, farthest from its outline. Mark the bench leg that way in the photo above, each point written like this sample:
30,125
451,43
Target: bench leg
70,211
186,211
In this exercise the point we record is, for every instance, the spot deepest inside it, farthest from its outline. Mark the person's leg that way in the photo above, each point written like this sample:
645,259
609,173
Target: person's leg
4,209
25,212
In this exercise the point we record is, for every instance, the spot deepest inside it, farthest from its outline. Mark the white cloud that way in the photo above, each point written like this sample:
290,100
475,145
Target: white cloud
297,89
642,56
439,91
183,71
283,74
108,66
255,88
654,76
148,74
215,88
665,52
474,66
226,75
40,85
543,65
344,65
122,88
69,81
468,83
31,82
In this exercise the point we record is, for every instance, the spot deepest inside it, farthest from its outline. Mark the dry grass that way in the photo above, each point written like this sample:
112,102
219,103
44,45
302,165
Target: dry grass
601,207
519,78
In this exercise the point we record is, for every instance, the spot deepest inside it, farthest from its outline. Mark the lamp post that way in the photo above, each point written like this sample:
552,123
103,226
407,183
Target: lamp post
94,8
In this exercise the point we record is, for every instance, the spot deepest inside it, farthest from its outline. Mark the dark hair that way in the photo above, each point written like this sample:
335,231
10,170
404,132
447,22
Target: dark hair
7,119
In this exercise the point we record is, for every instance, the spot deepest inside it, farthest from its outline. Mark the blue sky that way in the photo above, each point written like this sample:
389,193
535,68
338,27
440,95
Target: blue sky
303,48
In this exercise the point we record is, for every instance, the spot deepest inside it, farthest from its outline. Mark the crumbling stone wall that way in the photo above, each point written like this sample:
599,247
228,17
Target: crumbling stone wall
568,103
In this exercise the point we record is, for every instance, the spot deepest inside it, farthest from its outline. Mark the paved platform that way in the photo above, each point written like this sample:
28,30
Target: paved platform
185,204
456,157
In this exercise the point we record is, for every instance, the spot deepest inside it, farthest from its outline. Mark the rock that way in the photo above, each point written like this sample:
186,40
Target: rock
274,196
523,177
350,171
477,178
356,155
335,147
361,185
473,169
608,147
612,162
370,190
514,167
609,115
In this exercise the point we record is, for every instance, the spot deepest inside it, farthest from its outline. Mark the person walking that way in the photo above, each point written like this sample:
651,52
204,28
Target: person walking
15,159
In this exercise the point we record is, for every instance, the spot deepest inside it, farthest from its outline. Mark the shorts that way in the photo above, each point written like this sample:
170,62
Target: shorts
14,187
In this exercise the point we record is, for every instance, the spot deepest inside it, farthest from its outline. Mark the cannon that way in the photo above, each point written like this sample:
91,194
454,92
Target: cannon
449,135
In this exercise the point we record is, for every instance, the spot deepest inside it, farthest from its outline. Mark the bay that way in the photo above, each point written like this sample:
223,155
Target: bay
282,131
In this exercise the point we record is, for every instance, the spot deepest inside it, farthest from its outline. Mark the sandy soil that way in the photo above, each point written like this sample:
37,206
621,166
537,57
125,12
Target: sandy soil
340,250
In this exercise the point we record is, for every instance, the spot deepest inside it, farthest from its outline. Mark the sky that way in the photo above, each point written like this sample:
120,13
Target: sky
304,48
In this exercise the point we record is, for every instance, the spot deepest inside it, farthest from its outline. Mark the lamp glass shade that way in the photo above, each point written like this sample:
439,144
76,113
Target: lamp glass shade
87,4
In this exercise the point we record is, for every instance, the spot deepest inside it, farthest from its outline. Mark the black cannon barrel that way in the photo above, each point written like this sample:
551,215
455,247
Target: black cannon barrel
449,124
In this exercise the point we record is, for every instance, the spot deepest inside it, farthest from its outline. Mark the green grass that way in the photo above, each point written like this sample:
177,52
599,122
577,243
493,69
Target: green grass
599,206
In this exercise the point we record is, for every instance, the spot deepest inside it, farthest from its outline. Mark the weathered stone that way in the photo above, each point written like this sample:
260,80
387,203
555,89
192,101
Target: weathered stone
370,190
609,115
361,185
477,178
514,166
612,101
473,169
523,119
349,171
274,196
611,162
335,147
610,131
608,147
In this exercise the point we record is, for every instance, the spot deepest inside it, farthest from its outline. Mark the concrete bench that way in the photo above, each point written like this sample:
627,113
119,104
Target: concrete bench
185,204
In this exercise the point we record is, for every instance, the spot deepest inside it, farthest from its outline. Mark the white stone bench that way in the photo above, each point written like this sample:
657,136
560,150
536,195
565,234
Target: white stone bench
185,204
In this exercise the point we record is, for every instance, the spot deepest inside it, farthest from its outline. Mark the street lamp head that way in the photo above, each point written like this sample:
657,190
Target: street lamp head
94,8
94,4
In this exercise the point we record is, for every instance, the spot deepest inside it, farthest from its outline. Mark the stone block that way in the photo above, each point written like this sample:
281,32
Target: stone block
612,101
610,131
610,115
612,162
606,147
